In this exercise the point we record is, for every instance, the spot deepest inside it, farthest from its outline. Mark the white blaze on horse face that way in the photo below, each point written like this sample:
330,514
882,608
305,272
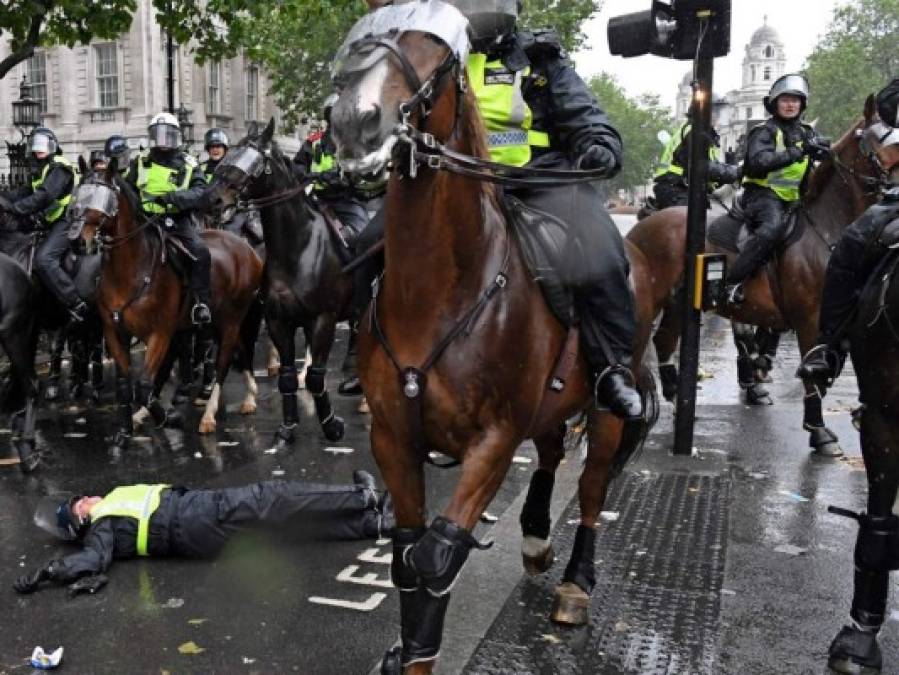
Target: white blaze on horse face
371,87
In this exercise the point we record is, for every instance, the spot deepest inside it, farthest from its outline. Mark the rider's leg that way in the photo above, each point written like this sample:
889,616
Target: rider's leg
852,262
765,212
48,264
200,284
353,219
670,193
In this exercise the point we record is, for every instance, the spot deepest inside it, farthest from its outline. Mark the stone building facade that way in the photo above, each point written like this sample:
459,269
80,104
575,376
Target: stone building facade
116,86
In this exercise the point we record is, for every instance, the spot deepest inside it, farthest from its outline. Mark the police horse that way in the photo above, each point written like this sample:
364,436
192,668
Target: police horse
459,352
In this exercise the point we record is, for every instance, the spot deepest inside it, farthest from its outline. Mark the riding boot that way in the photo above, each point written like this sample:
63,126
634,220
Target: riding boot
754,254
200,286
351,386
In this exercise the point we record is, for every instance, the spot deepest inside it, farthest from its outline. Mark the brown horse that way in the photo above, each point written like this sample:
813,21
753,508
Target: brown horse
141,294
786,293
454,268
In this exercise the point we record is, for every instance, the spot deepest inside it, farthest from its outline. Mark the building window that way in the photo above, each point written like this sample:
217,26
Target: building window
252,89
767,73
36,72
752,71
749,112
107,58
769,51
214,86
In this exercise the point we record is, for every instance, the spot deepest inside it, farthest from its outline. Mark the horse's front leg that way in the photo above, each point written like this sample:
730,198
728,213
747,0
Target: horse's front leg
536,548
571,605
855,649
282,334
124,389
320,338
158,362
228,341
747,358
435,561
822,440
666,339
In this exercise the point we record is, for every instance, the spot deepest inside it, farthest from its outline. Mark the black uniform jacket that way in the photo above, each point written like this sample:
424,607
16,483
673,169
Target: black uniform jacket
561,102
762,156
59,182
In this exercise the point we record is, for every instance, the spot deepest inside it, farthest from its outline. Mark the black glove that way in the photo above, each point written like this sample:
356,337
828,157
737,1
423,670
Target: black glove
29,583
161,200
795,153
90,585
598,157
817,147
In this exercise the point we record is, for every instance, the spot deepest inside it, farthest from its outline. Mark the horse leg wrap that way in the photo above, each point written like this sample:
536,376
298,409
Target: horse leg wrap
288,383
877,546
668,376
812,417
315,381
440,554
581,570
534,519
124,397
745,371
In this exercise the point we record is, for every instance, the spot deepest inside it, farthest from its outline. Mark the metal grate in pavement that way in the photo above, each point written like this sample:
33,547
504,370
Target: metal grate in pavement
655,608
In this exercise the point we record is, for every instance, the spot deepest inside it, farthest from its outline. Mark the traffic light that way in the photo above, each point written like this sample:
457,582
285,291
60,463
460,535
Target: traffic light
674,29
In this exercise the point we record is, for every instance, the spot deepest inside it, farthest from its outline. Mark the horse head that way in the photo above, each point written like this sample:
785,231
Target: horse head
98,205
254,167
401,67
880,142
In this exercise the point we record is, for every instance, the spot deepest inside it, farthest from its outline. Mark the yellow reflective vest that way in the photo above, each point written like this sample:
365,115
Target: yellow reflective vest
134,501
321,162
787,182
54,212
667,163
154,180
507,115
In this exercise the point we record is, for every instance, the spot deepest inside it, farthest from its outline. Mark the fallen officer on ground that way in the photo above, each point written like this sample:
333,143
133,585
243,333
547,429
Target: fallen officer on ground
167,521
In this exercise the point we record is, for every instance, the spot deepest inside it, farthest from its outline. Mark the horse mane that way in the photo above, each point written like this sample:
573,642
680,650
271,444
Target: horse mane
820,177
132,197
474,130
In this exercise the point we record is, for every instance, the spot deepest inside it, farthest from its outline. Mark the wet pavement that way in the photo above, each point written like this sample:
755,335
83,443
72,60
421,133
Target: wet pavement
726,562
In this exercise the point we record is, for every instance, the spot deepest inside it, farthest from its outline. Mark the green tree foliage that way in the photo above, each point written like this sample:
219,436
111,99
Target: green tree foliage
638,121
566,16
856,57
28,24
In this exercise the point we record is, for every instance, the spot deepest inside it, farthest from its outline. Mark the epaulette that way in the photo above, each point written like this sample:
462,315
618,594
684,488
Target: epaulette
541,43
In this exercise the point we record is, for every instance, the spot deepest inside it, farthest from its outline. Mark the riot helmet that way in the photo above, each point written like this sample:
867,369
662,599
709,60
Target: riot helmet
165,132
117,148
215,136
43,140
793,84
489,20
56,515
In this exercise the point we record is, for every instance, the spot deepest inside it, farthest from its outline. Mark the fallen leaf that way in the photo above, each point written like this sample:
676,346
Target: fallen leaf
190,648
173,603
789,549
197,622
552,639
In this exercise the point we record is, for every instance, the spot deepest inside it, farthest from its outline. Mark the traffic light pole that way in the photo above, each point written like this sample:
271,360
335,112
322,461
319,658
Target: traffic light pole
700,124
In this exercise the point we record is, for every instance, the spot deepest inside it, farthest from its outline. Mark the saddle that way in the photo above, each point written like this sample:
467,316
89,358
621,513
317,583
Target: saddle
175,254
543,239
341,236
731,231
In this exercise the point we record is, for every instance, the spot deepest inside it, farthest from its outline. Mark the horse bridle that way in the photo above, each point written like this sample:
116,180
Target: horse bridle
263,166
875,184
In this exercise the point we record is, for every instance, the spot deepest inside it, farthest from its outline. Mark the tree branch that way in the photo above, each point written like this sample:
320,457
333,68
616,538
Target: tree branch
27,49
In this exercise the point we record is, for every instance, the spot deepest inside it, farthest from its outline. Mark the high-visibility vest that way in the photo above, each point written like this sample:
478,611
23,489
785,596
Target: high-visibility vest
785,182
507,115
321,163
54,212
667,163
154,180
209,175
134,501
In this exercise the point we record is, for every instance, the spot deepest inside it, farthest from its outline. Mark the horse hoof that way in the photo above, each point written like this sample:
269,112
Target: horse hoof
363,406
571,605
824,442
392,663
52,393
352,386
207,426
284,437
538,564
758,395
829,450
247,408
334,429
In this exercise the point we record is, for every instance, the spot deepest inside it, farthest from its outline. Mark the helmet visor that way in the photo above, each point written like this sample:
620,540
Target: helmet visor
246,161
94,197
42,143
796,85
165,136
53,515
489,19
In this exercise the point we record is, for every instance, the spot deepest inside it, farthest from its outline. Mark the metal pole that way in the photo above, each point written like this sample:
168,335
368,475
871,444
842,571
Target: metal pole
170,57
701,124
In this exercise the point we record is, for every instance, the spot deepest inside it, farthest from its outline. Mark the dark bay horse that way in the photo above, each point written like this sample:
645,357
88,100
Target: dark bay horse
303,286
473,346
142,295
785,294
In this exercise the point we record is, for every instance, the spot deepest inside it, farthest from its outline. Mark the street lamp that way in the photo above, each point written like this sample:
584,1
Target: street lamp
186,124
26,116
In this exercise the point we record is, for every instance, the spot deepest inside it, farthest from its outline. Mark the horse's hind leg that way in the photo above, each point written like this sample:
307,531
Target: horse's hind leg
227,343
536,548
666,339
124,390
282,336
320,340
572,598
59,345
249,331
824,442
877,544
21,349
768,341
747,358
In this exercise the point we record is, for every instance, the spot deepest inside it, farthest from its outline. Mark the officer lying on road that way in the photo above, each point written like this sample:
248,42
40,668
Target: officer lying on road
166,521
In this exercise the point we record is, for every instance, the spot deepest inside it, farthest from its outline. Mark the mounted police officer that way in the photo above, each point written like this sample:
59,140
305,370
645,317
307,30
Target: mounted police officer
116,148
672,177
333,191
45,200
166,521
854,259
171,186
779,156
216,144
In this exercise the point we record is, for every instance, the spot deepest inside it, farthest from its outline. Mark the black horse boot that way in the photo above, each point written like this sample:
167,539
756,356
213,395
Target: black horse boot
351,386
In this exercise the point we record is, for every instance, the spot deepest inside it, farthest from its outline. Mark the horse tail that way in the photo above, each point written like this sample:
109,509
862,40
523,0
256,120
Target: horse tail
635,433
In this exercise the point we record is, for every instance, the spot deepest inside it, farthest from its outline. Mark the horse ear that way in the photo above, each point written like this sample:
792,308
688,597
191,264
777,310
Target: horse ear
870,109
112,168
269,132
82,166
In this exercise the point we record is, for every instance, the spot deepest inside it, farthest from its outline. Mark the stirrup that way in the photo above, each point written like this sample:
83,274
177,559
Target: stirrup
735,294
822,364
200,314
